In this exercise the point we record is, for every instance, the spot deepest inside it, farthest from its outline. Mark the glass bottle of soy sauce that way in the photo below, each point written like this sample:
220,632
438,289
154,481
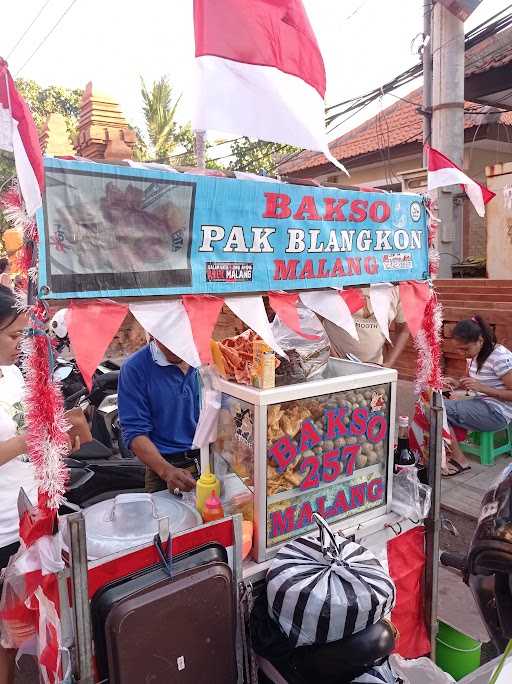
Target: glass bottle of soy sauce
403,455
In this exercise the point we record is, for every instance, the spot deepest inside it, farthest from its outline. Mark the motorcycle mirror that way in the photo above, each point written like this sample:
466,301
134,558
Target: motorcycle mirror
62,372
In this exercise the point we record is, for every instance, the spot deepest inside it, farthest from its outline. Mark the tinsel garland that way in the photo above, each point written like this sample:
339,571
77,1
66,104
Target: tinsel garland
428,347
428,340
47,441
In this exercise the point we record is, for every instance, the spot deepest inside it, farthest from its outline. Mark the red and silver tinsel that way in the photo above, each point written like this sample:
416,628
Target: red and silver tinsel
29,605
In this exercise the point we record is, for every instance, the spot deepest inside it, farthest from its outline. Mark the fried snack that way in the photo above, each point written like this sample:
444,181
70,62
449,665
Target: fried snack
291,421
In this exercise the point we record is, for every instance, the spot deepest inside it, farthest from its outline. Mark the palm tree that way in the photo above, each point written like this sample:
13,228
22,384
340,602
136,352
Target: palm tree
159,112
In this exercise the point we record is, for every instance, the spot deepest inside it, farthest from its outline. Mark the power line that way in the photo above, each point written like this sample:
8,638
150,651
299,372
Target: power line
73,2
28,28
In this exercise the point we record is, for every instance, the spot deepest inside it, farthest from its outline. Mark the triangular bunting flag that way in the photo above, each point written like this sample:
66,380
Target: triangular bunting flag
331,306
168,323
353,298
380,298
285,306
413,299
203,312
251,310
91,328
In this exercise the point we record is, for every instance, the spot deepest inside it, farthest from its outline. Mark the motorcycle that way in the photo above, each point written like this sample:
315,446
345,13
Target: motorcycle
487,568
104,467
96,479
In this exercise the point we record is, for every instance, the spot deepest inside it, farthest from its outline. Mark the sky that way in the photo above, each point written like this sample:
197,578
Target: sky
113,43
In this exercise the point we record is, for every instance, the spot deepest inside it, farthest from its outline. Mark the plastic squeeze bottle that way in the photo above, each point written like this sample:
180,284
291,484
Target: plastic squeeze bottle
212,509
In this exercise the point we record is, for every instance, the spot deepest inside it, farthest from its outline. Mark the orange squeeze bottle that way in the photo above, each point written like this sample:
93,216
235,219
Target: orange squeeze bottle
212,509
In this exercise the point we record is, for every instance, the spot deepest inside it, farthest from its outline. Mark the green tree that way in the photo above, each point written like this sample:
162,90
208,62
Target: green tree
257,156
159,107
46,101
166,140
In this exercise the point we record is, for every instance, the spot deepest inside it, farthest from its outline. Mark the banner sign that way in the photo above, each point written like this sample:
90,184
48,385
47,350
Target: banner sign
115,231
332,459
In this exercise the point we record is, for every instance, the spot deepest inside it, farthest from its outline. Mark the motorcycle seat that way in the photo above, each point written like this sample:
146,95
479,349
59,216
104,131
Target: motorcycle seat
337,662
92,451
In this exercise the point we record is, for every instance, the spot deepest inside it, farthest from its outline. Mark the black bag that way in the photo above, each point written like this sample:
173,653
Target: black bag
333,663
327,590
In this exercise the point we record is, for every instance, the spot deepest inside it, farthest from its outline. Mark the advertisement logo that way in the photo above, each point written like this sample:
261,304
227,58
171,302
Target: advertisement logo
415,211
397,262
228,272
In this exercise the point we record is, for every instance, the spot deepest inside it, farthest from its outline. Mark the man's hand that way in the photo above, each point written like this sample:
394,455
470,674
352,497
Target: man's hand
178,478
470,384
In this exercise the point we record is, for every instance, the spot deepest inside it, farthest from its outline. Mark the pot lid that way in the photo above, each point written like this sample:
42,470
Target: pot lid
132,519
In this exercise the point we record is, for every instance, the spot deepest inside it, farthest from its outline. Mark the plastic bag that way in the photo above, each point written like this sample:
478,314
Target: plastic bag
314,354
419,671
325,590
411,499
380,674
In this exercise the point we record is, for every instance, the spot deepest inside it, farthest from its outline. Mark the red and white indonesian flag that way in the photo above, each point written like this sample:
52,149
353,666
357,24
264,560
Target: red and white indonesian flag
442,172
260,72
18,134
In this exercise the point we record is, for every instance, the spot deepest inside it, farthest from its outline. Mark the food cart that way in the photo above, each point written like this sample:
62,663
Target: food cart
324,446
159,243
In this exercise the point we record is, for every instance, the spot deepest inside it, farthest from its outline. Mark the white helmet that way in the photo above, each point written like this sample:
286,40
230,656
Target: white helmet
58,325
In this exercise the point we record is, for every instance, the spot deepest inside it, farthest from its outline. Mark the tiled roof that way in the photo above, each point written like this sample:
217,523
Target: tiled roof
401,123
490,54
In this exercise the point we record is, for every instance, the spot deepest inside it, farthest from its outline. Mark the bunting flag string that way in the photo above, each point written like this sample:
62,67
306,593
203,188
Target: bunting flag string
251,310
91,328
353,298
380,299
284,305
168,323
331,306
413,299
203,313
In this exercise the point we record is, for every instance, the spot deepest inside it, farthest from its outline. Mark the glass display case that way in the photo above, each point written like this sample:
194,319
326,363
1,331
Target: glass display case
322,446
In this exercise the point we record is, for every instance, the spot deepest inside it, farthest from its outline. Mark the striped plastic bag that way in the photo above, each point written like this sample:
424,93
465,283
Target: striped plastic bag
325,590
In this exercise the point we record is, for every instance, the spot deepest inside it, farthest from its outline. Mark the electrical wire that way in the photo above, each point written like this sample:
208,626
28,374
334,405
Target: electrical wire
40,45
20,39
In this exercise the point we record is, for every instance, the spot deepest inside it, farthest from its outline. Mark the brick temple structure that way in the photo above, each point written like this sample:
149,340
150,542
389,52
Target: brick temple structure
103,132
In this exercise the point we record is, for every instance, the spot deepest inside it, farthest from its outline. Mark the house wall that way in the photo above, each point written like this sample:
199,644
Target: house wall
499,216
476,158
475,161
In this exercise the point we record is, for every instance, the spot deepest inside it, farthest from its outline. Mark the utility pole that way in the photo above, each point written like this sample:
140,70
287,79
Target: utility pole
448,125
427,74
200,149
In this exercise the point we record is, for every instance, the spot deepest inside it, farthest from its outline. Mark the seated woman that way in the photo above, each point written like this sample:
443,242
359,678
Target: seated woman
489,406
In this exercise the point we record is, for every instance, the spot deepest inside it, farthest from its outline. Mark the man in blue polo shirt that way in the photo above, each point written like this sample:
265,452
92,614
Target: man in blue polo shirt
158,398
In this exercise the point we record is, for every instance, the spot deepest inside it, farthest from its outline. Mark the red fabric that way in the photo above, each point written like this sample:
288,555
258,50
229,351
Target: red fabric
406,561
460,433
437,160
33,527
272,33
91,328
413,298
203,312
103,572
26,126
285,306
354,299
